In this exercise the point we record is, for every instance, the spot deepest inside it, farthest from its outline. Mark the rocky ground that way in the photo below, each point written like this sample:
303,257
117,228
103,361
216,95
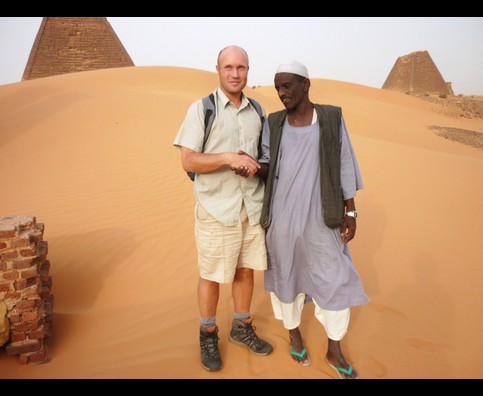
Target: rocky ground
459,107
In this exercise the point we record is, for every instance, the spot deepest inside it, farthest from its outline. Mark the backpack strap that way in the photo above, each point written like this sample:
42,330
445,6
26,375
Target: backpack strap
258,108
209,109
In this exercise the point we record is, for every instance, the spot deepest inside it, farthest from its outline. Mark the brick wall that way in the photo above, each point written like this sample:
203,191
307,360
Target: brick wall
73,44
26,287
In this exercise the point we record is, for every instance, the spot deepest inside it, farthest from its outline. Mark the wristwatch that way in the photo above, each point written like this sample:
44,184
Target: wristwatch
352,213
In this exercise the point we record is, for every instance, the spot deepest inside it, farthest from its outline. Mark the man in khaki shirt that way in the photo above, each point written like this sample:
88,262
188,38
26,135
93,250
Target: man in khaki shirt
229,197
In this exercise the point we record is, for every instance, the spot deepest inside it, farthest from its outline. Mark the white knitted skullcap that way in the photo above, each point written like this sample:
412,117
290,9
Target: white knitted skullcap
293,67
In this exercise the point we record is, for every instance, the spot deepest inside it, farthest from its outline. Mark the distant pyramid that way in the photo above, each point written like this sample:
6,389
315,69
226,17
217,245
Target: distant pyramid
74,44
416,74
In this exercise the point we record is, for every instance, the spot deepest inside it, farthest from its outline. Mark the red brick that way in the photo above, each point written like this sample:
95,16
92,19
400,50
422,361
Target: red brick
14,318
48,330
31,292
27,304
3,245
17,337
48,308
23,347
12,295
29,273
3,266
21,284
33,282
28,252
19,243
5,287
4,234
35,237
11,275
8,255
30,316
48,282
37,335
43,248
45,265
22,263
43,278
38,357
44,292
44,270
23,359
46,302
28,326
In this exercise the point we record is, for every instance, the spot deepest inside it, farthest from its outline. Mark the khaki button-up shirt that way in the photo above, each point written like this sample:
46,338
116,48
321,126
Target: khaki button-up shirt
222,193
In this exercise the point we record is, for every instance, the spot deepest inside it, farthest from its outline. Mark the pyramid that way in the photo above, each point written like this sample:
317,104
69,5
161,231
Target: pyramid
416,74
73,44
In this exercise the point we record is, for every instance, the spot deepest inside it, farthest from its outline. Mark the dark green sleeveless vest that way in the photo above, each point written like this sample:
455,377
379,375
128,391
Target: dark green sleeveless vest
329,151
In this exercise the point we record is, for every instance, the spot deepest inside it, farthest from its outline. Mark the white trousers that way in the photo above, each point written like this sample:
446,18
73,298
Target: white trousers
335,323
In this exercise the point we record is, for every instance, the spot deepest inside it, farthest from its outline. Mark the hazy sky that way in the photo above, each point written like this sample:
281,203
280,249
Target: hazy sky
361,50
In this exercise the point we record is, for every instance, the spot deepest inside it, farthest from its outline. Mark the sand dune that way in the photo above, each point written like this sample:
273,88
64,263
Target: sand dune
90,155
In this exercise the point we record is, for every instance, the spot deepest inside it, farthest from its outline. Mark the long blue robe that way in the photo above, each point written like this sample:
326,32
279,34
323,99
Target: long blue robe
304,255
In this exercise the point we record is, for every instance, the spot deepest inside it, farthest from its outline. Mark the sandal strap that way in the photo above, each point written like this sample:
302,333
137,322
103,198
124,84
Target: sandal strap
299,354
345,371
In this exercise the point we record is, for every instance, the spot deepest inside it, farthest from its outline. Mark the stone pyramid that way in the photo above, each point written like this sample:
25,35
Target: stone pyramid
73,44
416,74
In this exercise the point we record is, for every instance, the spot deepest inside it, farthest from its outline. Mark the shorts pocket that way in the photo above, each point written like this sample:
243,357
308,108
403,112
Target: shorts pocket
201,213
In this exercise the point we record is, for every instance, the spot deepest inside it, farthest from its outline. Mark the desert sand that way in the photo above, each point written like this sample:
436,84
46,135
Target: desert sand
90,155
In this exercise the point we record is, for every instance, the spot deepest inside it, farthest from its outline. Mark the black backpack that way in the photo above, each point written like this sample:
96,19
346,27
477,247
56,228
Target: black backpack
210,109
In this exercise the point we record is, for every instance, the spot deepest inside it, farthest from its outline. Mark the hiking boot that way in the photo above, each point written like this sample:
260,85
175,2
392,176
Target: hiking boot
210,355
243,333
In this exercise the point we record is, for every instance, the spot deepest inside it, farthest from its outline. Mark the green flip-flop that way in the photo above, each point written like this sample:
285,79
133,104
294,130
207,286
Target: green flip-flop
340,370
303,358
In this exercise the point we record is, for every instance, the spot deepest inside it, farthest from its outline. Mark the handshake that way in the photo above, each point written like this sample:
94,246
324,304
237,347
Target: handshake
246,169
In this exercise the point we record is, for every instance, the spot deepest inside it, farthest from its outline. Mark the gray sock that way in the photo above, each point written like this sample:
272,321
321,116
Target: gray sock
208,322
241,316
